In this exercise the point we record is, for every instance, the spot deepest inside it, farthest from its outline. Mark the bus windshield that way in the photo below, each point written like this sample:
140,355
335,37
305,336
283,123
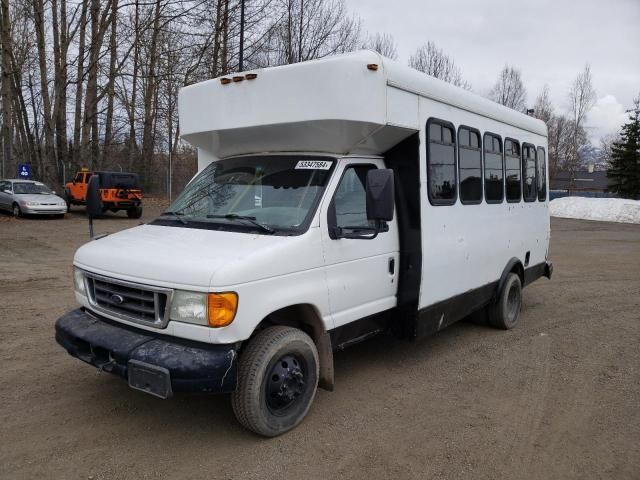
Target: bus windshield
266,194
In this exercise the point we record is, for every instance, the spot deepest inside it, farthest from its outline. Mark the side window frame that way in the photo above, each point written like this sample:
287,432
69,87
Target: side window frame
457,151
484,152
443,123
535,171
544,174
332,219
519,157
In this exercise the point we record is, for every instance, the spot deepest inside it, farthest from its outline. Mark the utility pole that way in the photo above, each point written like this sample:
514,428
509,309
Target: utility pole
241,62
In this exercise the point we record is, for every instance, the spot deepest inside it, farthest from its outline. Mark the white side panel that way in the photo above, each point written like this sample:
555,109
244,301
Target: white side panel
205,157
402,108
467,246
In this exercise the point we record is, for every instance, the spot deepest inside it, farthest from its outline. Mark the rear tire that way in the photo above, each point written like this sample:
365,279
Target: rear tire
505,311
277,381
17,212
134,212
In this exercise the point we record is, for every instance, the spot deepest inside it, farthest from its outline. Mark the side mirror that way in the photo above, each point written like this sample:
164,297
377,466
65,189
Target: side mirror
380,195
94,202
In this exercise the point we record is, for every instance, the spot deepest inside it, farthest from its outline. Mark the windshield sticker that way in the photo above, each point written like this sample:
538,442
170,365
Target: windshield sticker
313,165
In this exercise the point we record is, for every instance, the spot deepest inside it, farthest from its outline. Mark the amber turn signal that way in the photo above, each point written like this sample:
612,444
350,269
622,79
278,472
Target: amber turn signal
225,80
372,66
221,308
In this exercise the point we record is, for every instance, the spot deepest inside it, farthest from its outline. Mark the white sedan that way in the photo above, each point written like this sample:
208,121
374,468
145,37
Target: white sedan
28,197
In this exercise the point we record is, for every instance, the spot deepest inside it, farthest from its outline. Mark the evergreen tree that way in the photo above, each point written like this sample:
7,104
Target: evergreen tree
624,172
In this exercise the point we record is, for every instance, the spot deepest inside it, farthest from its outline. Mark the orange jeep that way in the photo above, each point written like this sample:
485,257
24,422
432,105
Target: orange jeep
118,191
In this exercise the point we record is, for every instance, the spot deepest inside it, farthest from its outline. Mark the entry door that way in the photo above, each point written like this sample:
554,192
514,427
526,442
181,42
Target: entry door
361,274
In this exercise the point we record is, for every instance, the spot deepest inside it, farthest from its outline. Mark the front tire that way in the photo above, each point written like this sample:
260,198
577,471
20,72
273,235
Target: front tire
277,381
17,212
505,312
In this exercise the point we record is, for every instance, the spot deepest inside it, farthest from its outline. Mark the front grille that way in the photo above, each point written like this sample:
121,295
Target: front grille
129,301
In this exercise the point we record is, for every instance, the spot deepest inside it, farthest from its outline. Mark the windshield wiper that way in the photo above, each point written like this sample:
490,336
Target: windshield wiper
252,220
176,215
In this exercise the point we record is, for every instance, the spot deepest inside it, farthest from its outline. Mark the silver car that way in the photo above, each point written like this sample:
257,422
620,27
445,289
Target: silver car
28,197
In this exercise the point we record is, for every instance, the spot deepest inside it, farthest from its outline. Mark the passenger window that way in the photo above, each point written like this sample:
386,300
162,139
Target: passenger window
350,199
493,169
78,178
441,163
512,170
529,190
542,175
470,159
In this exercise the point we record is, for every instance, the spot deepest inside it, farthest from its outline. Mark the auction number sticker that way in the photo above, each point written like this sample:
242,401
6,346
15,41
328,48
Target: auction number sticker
313,165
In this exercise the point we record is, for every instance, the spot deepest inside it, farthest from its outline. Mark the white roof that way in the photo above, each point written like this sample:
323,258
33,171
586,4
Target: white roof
335,104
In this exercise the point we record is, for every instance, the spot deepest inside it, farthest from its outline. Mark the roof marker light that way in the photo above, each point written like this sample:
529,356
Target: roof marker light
225,81
251,76
238,79
372,66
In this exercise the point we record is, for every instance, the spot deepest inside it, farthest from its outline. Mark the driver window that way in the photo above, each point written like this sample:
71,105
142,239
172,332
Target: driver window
350,199
78,178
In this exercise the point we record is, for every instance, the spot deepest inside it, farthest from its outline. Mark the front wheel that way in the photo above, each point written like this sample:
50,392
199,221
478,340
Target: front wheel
505,312
277,381
17,212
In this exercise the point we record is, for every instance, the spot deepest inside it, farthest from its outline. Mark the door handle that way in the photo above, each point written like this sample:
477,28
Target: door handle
392,265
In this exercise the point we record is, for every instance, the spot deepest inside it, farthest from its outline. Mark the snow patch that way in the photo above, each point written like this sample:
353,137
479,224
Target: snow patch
602,209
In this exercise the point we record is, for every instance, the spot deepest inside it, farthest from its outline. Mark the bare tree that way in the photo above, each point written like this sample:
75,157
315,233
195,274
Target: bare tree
509,89
582,98
543,109
383,43
433,61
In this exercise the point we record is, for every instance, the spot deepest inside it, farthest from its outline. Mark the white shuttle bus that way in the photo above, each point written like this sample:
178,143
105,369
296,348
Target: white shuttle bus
335,199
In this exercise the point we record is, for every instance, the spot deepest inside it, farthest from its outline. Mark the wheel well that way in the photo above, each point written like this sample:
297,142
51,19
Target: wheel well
306,317
513,266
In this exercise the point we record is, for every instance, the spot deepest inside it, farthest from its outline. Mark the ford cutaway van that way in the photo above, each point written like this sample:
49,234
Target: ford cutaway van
335,199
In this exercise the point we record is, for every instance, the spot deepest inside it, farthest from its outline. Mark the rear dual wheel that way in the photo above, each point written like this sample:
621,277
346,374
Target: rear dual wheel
277,381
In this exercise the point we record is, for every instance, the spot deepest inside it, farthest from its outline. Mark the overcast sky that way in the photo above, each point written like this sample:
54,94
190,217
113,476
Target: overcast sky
549,40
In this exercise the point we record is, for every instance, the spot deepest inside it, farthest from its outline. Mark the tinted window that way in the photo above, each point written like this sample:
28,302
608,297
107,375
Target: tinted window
493,169
529,173
351,200
470,159
512,170
441,163
542,175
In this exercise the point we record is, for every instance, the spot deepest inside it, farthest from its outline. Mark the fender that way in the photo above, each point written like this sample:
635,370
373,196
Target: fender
513,265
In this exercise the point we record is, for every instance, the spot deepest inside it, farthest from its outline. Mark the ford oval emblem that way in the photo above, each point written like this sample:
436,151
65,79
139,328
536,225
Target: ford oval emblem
117,299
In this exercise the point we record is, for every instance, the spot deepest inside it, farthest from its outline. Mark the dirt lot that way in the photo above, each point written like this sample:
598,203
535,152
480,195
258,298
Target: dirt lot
558,397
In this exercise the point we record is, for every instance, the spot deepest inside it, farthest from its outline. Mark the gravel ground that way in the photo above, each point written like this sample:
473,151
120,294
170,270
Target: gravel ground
558,397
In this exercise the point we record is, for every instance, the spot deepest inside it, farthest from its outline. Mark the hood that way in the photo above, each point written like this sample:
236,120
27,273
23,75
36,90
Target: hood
177,257
38,197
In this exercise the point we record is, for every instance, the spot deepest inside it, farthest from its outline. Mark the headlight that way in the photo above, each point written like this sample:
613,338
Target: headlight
189,307
213,309
78,281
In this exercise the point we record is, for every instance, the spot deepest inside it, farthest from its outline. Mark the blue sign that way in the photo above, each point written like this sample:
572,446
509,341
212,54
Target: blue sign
24,170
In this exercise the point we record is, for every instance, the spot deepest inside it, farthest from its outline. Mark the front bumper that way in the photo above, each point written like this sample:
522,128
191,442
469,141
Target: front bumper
156,364
44,210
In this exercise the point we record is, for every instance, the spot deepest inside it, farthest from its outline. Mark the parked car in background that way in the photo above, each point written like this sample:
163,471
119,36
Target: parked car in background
118,191
28,197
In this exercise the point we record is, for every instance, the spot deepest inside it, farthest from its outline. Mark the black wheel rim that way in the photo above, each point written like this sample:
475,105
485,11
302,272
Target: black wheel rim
286,383
513,303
